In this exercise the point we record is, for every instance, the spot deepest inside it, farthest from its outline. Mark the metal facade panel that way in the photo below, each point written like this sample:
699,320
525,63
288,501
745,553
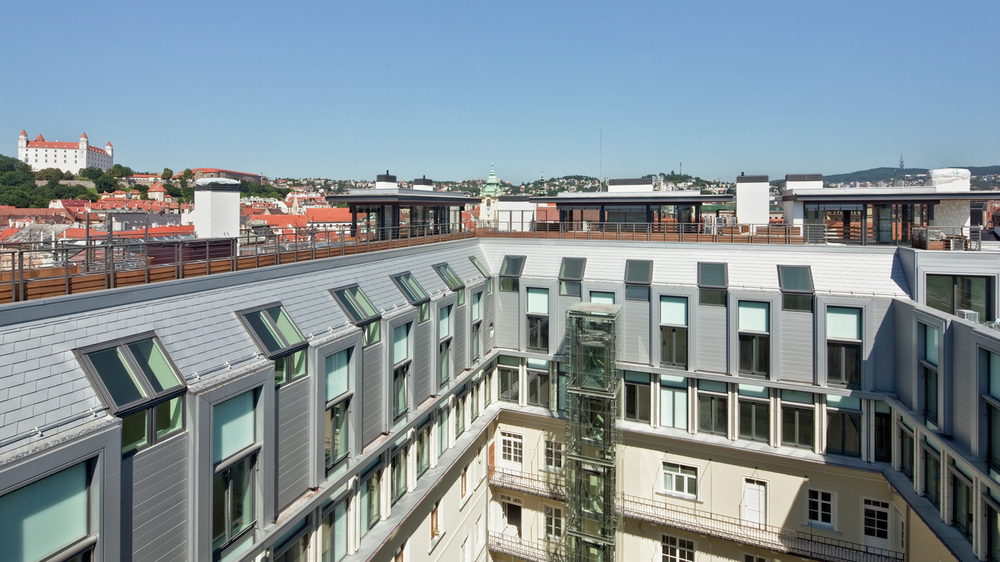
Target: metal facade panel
292,441
508,320
796,346
557,322
461,334
423,353
904,355
636,332
157,499
962,399
489,318
712,338
371,394
882,356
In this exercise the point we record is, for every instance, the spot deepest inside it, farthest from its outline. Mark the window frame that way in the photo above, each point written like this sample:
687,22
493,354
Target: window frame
569,285
152,397
447,274
482,268
675,330
798,409
713,397
792,292
555,526
553,456
224,468
846,414
689,480
754,403
683,550
343,401
371,325
635,387
398,280
816,505
706,289
638,290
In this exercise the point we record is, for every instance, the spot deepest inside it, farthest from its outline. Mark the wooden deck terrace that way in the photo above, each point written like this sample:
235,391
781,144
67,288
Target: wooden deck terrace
37,271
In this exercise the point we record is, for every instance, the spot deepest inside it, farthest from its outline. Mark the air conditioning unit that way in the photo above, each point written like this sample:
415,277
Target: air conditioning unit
969,315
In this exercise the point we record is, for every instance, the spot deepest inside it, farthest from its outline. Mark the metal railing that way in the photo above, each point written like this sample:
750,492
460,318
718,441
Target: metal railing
947,238
532,551
657,231
551,485
777,539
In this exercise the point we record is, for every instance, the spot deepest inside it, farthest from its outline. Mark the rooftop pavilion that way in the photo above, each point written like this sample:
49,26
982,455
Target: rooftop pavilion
623,203
913,215
393,212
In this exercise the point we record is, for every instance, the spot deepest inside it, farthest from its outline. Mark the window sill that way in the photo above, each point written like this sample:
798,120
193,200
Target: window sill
435,541
692,499
463,501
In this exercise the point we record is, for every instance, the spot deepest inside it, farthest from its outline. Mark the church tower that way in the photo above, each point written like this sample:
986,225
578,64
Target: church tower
490,198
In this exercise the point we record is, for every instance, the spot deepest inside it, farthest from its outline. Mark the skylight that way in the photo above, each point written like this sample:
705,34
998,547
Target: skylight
132,373
482,268
512,266
572,269
639,272
449,277
355,304
412,290
713,275
274,330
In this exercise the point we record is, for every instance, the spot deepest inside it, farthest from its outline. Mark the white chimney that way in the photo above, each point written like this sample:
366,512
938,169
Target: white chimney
752,200
216,208
422,184
385,181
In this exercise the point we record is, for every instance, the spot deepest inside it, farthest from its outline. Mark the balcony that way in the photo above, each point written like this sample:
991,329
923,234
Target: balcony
531,551
547,485
777,539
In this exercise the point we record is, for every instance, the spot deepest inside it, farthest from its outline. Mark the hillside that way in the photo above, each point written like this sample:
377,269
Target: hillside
887,174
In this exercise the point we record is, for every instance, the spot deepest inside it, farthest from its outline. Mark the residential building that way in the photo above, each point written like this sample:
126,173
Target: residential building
513,399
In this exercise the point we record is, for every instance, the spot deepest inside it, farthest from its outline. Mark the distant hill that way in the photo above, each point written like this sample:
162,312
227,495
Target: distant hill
886,174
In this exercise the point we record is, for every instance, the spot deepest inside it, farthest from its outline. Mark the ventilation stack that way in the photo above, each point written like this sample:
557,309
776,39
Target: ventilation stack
592,436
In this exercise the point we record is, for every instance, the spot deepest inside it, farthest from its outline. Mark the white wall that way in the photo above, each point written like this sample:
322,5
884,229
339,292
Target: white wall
752,203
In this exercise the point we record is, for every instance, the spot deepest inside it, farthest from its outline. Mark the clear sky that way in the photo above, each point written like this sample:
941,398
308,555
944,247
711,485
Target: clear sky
349,89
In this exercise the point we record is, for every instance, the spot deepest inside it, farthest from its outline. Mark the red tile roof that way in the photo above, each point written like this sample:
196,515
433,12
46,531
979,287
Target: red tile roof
83,136
281,220
24,133
157,188
328,214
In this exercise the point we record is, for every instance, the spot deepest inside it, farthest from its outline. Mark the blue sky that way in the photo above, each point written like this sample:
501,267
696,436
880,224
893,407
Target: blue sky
444,89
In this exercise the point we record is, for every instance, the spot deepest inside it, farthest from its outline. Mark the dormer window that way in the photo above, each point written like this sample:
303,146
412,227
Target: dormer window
280,340
510,273
638,276
796,287
570,275
359,309
139,383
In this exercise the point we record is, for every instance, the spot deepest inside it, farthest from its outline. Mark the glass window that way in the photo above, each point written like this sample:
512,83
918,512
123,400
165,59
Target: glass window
538,333
797,421
637,397
961,508
444,322
932,477
132,373
482,269
673,402
511,447
334,539
45,516
602,297
956,293
673,549
553,523
906,446
399,382
538,388
754,342
512,266
449,276
713,412
638,272
821,507
410,288
233,503
538,301
509,285
442,430
337,437
400,343
370,501
444,359
337,368
274,330
755,413
477,306
508,385
233,426
477,330
423,449
553,456
397,472
673,332
713,275
796,287
680,479
843,346
843,426
355,304
572,269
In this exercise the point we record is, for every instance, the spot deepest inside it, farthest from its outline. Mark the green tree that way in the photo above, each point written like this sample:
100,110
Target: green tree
167,174
8,164
68,175
105,183
91,173
48,174
119,171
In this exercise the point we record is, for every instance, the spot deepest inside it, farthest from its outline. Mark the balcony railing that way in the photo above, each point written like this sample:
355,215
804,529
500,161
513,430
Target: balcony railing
656,232
532,551
777,539
550,485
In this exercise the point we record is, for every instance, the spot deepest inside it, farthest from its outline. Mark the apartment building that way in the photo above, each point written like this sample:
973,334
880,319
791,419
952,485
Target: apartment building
513,399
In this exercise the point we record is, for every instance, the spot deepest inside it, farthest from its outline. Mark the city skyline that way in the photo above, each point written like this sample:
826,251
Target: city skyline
444,90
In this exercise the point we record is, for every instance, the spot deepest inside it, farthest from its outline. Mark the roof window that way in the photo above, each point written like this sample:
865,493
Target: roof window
130,373
273,330
355,304
414,293
482,268
449,276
